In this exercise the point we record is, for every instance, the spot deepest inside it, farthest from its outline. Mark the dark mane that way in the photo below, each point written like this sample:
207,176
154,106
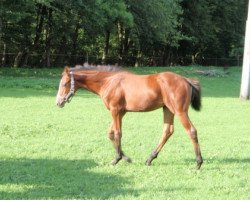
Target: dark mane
103,68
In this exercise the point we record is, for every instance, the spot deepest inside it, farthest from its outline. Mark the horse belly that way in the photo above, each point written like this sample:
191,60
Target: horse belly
140,100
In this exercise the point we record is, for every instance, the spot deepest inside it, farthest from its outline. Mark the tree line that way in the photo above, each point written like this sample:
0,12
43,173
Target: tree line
48,33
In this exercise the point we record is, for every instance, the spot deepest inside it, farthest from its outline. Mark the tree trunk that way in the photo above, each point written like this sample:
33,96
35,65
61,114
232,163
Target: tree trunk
106,47
60,58
25,58
1,26
41,12
121,40
166,56
74,46
138,58
18,59
48,38
3,60
126,42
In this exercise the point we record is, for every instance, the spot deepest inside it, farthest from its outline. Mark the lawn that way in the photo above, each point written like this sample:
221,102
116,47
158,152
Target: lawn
52,153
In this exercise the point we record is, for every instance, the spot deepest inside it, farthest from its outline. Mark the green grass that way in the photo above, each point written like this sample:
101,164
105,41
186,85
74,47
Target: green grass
52,153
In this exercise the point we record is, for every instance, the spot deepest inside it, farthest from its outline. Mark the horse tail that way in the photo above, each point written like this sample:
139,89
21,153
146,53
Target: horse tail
196,93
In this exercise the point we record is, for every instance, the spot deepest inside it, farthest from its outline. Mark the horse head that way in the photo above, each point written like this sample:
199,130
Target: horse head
66,88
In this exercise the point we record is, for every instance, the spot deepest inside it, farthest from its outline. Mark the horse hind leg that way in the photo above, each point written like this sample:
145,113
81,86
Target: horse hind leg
168,130
192,132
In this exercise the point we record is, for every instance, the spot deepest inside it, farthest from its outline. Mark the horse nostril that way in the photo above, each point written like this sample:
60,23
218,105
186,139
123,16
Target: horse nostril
58,103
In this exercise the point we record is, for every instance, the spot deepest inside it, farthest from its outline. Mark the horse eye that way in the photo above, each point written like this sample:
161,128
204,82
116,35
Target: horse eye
65,84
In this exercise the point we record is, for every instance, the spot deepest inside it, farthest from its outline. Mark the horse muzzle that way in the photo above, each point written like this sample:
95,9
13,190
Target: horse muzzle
60,102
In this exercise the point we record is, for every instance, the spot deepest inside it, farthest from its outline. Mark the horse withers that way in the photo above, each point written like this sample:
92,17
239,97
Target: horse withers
123,91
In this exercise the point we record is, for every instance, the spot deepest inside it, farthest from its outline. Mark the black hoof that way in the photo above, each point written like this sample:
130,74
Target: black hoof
148,162
115,161
199,163
198,166
151,158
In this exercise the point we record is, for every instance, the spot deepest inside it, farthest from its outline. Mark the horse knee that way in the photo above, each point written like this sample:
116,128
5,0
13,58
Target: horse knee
111,135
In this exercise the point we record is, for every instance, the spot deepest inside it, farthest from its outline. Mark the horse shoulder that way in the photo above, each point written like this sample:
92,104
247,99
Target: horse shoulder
111,92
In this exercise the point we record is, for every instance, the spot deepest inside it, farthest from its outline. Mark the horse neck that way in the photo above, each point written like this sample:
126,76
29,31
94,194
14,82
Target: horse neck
92,80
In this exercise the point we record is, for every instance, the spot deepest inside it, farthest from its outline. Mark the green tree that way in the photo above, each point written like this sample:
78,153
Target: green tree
117,21
212,28
156,26
16,17
142,32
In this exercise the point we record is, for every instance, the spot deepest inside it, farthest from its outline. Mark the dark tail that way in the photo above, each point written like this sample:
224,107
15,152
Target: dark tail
196,94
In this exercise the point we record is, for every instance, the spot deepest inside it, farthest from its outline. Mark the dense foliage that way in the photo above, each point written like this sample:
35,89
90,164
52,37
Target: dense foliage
143,32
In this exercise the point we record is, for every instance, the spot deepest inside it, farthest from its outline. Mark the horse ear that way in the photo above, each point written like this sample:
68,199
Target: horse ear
66,69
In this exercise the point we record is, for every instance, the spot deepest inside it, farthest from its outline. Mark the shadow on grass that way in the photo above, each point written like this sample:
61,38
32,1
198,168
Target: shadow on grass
27,92
23,93
63,179
223,160
235,160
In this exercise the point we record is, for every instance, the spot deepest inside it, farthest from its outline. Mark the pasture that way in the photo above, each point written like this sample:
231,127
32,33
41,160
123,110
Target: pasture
52,153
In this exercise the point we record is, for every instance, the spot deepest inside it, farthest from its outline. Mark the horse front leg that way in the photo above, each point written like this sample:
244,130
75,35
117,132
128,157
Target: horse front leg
115,135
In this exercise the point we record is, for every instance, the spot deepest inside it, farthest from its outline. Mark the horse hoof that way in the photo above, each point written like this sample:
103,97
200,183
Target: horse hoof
114,162
127,159
198,166
148,162
199,163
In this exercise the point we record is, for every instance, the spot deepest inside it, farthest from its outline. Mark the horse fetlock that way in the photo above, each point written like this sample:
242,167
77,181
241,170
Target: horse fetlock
199,159
154,155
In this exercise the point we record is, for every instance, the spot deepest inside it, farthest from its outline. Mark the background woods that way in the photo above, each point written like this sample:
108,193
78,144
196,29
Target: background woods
46,33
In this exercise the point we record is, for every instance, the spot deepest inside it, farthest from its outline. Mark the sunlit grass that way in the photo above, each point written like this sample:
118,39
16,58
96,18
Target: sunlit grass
52,153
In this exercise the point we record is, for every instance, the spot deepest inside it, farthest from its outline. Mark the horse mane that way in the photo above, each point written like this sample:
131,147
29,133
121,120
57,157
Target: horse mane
102,68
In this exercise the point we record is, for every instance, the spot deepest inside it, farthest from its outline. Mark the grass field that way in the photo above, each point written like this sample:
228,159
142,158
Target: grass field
52,153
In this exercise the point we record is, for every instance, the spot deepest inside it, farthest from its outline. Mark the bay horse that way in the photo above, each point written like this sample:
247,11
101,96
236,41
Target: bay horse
122,91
